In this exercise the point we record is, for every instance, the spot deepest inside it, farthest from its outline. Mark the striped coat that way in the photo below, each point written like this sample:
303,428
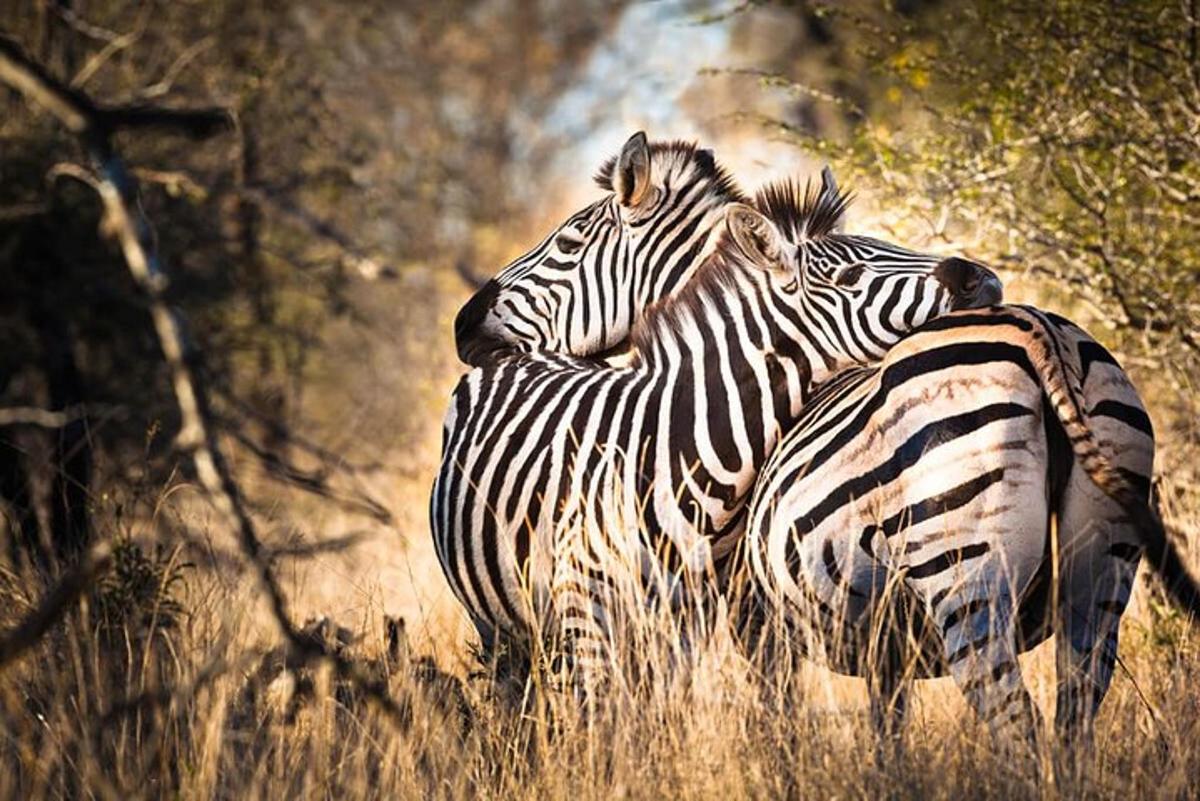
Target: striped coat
569,488
989,453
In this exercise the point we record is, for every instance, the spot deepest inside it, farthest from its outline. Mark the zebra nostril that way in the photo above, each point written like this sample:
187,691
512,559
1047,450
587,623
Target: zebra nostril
954,274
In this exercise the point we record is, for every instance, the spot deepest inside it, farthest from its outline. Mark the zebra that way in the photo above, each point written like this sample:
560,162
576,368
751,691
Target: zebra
580,290
565,482
1103,393
968,477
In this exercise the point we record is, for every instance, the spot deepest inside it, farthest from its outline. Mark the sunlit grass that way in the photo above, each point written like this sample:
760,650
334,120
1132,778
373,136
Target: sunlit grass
204,709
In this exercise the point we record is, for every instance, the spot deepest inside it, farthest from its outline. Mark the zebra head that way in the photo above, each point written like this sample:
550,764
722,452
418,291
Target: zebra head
845,299
582,287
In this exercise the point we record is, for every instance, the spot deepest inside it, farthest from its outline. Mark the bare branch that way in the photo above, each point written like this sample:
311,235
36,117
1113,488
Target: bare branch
774,80
354,258
47,419
164,84
277,429
83,117
110,49
80,25
312,481
307,550
176,182
126,222
22,211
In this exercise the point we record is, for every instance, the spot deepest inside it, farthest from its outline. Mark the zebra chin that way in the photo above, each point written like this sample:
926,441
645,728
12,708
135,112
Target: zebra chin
481,350
476,345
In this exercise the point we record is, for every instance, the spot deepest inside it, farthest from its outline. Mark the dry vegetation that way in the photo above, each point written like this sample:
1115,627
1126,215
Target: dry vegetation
171,679
162,684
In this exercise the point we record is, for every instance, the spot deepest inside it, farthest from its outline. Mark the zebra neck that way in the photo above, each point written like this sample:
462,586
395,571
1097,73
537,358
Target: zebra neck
670,253
729,392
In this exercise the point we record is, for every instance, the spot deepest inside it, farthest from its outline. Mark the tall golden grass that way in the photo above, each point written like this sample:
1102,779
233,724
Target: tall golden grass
164,684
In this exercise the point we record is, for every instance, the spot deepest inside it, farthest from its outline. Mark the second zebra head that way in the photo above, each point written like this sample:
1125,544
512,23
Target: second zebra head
582,288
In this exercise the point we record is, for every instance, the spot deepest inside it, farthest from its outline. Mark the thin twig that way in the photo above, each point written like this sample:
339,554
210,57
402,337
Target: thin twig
110,49
43,418
272,202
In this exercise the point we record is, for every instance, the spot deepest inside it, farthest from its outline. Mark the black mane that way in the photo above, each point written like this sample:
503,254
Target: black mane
670,313
802,211
799,211
680,152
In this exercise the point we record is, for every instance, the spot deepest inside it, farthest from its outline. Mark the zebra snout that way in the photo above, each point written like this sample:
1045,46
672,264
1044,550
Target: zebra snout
473,343
971,285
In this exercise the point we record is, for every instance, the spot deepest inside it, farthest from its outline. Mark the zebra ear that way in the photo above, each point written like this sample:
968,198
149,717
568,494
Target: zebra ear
631,178
829,192
755,236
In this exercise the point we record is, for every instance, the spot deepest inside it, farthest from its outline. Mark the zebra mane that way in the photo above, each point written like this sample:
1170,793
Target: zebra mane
674,157
802,211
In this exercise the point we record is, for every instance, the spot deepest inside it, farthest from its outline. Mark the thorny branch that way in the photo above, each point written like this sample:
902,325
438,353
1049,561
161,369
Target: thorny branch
125,220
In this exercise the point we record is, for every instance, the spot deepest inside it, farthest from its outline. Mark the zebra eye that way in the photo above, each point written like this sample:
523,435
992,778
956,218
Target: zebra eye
850,275
568,242
791,286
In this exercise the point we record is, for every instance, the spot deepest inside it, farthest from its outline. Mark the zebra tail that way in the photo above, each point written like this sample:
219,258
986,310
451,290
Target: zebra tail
1065,391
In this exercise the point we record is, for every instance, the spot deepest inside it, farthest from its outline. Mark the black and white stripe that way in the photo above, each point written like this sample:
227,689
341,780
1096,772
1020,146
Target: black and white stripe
580,290
936,478
925,426
566,483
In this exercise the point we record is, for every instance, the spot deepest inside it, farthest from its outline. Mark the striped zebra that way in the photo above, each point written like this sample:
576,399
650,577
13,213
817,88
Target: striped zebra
1103,393
970,480
581,289
567,484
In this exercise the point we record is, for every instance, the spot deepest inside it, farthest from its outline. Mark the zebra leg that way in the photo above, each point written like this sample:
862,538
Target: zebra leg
980,642
1099,562
582,637
1085,654
1099,551
890,679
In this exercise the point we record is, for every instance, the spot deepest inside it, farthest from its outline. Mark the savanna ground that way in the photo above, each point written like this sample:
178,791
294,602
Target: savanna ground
316,251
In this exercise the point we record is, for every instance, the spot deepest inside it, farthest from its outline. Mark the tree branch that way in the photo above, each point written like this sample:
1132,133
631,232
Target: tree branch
44,418
126,222
83,117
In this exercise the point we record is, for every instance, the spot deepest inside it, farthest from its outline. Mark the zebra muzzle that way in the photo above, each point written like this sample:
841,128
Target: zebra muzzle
971,285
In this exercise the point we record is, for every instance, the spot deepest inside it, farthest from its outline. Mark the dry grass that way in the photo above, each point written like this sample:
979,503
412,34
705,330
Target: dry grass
164,686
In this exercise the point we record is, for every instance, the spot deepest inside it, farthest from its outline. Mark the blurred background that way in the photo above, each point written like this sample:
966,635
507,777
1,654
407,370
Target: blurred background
386,155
